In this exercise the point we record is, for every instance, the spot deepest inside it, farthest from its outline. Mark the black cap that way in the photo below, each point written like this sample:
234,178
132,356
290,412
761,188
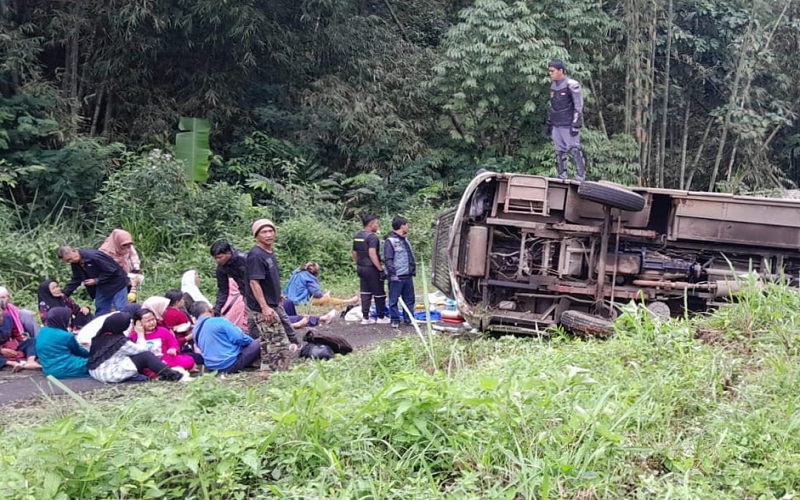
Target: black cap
557,64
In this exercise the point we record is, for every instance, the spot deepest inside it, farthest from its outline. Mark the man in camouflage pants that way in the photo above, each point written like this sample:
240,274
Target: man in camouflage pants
262,299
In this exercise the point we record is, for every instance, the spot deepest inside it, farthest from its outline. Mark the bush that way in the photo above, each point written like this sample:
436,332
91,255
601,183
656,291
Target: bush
152,198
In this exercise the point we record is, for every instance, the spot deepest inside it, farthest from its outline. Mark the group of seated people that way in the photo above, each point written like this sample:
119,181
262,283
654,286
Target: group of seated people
165,337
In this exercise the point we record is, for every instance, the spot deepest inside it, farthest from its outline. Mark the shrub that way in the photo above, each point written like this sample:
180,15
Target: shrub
152,198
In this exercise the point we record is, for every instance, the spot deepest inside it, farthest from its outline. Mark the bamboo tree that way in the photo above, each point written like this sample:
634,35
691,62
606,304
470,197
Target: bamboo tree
665,105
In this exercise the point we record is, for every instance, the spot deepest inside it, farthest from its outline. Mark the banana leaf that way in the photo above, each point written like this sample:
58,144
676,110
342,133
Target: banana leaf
191,146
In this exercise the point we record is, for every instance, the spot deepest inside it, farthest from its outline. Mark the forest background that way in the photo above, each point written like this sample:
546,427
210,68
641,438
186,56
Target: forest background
321,110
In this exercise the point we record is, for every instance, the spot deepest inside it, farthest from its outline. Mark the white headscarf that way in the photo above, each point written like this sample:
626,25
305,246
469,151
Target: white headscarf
189,285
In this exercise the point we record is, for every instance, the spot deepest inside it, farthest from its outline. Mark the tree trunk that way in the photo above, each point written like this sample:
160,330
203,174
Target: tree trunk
665,108
730,163
599,108
684,146
108,118
732,100
96,115
699,153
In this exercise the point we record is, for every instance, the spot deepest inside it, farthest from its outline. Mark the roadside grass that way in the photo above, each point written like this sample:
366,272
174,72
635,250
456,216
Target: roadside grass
651,413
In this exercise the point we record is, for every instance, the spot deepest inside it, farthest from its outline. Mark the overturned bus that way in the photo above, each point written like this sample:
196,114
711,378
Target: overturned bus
522,252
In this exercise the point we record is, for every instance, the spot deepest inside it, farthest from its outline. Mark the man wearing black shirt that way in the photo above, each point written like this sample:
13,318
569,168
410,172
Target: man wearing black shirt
366,255
262,299
103,278
231,264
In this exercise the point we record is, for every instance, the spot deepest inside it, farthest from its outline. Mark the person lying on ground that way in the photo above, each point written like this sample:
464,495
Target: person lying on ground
304,287
300,320
114,358
59,352
190,283
92,328
50,296
159,340
23,318
15,350
103,278
224,346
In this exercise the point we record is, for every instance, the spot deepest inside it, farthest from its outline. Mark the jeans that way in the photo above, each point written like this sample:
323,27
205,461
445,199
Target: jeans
403,287
249,355
103,302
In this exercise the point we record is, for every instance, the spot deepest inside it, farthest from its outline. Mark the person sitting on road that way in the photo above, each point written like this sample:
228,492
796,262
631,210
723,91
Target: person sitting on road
158,306
224,346
114,358
59,352
15,350
159,340
50,296
24,319
304,287
190,283
175,318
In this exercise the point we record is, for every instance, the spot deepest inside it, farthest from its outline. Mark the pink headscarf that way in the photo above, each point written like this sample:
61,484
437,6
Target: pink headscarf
11,309
158,305
126,257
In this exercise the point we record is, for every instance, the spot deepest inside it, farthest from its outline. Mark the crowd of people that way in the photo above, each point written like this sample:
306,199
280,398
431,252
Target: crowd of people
252,320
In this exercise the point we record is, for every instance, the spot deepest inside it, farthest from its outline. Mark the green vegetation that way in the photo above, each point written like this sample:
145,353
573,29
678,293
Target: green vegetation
651,413
322,110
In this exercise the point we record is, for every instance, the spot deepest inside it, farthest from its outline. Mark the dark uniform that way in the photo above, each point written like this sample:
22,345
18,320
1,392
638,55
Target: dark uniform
565,117
370,277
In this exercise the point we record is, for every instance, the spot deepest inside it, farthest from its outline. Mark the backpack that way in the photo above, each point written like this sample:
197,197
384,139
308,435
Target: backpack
316,351
337,343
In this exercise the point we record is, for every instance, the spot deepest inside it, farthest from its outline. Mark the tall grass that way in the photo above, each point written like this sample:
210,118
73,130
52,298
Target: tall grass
650,413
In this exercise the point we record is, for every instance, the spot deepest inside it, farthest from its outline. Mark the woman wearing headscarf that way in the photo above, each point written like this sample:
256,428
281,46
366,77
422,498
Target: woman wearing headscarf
190,281
24,319
59,352
51,295
158,306
15,350
114,358
119,246
159,340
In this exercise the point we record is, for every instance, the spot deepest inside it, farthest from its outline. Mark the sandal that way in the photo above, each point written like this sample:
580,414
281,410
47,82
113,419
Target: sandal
18,367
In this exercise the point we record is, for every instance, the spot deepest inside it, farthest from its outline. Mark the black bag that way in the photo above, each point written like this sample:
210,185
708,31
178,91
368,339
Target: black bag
316,351
337,343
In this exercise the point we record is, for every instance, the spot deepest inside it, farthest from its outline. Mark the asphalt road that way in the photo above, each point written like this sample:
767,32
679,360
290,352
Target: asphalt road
32,384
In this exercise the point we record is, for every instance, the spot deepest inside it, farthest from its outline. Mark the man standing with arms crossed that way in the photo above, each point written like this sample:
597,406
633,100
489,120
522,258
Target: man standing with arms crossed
401,267
262,300
564,120
366,247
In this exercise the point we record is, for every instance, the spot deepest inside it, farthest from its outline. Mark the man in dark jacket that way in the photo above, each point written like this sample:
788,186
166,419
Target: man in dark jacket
564,120
231,264
401,267
103,278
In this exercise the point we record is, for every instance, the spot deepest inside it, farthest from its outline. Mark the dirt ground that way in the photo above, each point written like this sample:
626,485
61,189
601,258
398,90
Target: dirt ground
29,388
